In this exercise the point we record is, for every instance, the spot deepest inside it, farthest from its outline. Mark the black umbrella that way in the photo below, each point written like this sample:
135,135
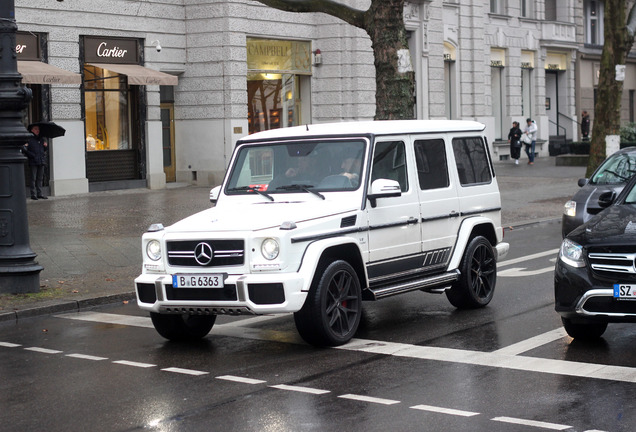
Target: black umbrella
48,129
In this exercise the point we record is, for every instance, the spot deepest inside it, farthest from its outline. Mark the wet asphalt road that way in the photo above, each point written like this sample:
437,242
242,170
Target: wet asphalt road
416,364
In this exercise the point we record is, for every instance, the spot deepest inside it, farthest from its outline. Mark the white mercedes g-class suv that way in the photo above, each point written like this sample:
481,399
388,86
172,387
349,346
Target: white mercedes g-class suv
315,219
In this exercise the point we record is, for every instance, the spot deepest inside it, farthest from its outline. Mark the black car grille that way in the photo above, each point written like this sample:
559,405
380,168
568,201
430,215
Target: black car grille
205,253
612,263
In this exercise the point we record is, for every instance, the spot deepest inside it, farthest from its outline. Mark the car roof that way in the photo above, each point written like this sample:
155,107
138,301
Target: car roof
379,127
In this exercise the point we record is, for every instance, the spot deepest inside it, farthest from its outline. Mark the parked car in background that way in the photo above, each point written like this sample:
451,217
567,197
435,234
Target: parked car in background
611,175
595,274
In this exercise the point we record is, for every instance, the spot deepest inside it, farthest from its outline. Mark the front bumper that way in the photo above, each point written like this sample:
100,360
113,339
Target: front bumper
241,294
578,294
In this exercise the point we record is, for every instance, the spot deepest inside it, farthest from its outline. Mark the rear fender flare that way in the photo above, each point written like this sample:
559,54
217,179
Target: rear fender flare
470,228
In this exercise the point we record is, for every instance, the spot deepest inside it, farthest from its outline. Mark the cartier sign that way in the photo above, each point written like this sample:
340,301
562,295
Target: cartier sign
27,46
110,50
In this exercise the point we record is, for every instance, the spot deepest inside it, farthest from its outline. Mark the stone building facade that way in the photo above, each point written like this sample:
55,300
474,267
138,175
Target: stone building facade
226,68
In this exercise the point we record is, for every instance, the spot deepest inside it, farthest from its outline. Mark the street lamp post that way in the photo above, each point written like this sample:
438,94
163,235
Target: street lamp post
19,272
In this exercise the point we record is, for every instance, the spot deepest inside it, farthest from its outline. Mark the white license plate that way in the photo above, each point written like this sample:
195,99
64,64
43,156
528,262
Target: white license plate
625,291
197,281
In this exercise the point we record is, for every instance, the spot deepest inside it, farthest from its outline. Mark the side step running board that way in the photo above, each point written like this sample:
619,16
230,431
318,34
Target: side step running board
435,284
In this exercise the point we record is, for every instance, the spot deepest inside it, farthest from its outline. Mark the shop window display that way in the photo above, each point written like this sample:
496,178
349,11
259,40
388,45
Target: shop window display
106,110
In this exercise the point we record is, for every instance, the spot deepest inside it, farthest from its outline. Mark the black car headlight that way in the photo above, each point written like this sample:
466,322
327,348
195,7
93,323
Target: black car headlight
570,208
571,253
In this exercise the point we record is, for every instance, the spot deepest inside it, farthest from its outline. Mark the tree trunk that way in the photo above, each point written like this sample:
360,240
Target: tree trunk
618,42
394,76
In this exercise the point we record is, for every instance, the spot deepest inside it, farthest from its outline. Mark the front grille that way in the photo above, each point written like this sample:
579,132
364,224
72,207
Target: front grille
227,293
194,253
613,264
607,305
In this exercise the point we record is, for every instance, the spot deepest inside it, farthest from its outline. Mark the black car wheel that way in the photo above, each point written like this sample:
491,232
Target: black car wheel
476,285
331,313
584,330
182,327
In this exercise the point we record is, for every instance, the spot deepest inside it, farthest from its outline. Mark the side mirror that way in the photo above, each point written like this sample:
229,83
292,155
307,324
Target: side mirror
582,182
606,199
383,188
214,194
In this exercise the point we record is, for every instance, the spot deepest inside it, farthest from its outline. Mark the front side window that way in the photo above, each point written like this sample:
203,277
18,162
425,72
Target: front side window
471,158
106,110
430,158
389,162
292,167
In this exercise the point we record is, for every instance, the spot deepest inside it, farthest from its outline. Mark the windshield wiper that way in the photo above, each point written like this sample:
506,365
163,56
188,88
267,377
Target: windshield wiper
251,189
302,187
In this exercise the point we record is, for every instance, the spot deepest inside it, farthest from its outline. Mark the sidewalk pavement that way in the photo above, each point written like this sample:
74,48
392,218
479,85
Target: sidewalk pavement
90,244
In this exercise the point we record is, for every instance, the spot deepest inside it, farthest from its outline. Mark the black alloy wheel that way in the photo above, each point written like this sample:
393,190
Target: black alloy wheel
331,314
476,285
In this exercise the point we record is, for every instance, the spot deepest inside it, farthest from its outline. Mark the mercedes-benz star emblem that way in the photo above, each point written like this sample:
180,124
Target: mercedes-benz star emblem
203,254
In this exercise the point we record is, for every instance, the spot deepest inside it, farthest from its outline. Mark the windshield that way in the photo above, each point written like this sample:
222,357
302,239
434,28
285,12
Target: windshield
292,167
616,169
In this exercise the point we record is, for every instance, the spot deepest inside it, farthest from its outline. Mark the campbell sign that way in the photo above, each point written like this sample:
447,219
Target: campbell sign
110,50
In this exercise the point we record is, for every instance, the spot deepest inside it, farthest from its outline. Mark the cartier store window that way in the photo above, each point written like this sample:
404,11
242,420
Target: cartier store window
106,110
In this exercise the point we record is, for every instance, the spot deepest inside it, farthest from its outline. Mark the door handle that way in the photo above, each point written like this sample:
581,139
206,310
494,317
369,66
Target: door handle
412,220
454,214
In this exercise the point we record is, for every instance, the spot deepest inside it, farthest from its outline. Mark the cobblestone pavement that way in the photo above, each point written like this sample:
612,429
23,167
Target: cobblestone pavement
90,244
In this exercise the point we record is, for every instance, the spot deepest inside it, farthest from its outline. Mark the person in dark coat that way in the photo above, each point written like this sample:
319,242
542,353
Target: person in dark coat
514,137
585,126
35,149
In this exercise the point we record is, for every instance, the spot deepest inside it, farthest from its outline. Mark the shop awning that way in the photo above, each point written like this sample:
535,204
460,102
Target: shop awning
139,75
36,72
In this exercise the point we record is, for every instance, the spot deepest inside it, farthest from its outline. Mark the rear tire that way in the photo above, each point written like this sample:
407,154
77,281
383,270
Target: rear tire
181,328
331,314
476,285
584,330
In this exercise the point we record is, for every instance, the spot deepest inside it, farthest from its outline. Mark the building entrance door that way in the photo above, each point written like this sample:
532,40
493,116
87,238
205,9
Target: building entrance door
167,139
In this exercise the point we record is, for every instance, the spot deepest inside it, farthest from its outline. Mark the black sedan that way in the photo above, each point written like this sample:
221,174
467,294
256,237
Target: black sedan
595,274
611,175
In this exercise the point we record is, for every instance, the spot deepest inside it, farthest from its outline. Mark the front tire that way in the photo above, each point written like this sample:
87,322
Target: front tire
180,328
584,330
331,314
476,285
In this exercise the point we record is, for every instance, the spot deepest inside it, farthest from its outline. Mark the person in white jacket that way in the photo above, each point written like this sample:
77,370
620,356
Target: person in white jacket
531,130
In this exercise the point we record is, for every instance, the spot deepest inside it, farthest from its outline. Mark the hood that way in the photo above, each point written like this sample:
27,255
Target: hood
615,225
254,216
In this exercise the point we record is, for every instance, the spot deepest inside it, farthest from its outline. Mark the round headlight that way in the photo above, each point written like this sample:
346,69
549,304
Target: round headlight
570,208
270,248
153,250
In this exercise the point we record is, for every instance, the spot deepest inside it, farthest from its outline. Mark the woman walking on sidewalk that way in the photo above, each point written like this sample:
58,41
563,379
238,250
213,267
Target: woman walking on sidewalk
514,138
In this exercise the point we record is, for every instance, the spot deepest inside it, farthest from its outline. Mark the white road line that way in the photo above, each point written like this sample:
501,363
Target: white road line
522,272
369,399
9,345
185,371
135,364
539,424
527,257
240,379
533,342
490,359
300,389
86,357
99,317
445,410
43,350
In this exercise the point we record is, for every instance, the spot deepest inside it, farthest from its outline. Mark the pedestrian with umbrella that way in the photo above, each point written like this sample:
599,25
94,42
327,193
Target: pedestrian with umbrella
35,149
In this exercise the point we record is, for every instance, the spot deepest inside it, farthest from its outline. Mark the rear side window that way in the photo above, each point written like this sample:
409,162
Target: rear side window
430,157
471,158
389,162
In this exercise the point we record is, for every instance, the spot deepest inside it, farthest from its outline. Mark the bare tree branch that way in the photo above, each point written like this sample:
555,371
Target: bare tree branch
349,15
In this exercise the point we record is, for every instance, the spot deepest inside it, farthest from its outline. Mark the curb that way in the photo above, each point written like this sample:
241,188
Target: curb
66,306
